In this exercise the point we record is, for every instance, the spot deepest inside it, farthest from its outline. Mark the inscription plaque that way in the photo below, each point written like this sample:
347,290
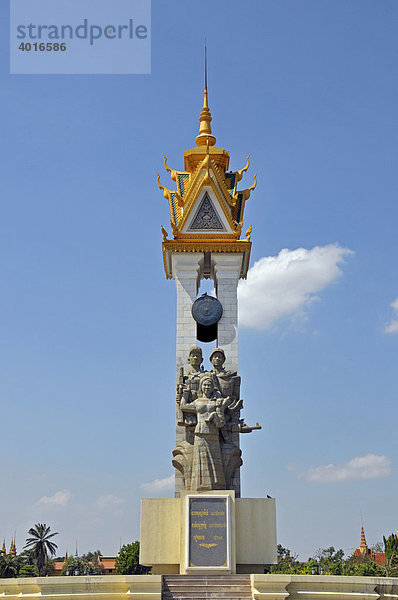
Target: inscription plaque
208,532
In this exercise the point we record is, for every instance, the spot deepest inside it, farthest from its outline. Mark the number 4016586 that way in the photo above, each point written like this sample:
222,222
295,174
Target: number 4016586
42,47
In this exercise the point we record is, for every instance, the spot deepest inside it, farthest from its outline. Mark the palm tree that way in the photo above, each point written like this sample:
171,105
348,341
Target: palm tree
40,544
8,566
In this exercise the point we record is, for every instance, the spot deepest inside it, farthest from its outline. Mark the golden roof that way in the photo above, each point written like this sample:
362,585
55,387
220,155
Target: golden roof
13,548
206,190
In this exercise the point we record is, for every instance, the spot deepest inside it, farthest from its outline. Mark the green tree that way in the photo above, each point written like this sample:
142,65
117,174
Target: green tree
127,561
48,567
329,560
40,544
26,564
378,547
79,565
8,566
92,556
283,552
391,550
331,555
27,570
391,546
362,566
287,562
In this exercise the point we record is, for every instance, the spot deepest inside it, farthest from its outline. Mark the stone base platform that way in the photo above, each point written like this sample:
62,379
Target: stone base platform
247,536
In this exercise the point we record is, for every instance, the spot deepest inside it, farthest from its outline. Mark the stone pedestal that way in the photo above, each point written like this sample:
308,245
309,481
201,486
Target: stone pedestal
208,533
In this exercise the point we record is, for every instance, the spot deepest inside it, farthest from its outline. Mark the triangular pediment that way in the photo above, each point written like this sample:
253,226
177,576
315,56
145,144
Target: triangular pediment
206,216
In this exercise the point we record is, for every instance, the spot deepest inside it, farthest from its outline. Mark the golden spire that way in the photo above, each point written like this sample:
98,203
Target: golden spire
13,549
205,135
363,539
363,547
4,549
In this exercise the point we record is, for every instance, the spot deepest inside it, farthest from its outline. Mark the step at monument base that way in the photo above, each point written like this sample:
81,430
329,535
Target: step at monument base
206,587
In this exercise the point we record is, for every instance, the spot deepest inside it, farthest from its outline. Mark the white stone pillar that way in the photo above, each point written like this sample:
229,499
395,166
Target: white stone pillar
186,269
186,272
227,269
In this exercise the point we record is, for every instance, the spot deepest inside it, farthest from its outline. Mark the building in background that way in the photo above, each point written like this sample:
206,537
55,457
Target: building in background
363,550
108,562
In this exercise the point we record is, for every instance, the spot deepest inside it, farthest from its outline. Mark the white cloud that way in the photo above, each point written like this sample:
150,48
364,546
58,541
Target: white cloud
392,326
157,485
285,285
109,500
291,467
370,466
60,498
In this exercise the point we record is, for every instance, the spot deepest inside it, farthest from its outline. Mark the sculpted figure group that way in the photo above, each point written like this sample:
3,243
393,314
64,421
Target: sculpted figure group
208,407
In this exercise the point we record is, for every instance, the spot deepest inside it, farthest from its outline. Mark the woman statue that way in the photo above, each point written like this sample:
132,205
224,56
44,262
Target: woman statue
207,471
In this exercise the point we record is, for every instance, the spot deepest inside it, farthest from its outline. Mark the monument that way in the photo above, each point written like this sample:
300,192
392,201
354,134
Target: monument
207,527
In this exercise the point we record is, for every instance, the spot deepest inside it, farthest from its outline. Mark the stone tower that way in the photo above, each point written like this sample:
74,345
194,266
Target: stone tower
206,218
207,527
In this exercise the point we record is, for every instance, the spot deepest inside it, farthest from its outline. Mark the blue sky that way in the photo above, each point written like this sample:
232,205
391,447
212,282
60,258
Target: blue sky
87,321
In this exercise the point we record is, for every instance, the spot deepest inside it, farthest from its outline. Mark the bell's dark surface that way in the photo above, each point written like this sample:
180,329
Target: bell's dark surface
207,310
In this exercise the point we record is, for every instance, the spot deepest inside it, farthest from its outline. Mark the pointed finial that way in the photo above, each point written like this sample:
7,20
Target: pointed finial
205,69
205,117
164,233
174,229
4,549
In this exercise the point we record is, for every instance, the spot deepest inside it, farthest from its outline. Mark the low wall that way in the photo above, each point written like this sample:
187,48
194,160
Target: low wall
269,587
323,587
93,587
